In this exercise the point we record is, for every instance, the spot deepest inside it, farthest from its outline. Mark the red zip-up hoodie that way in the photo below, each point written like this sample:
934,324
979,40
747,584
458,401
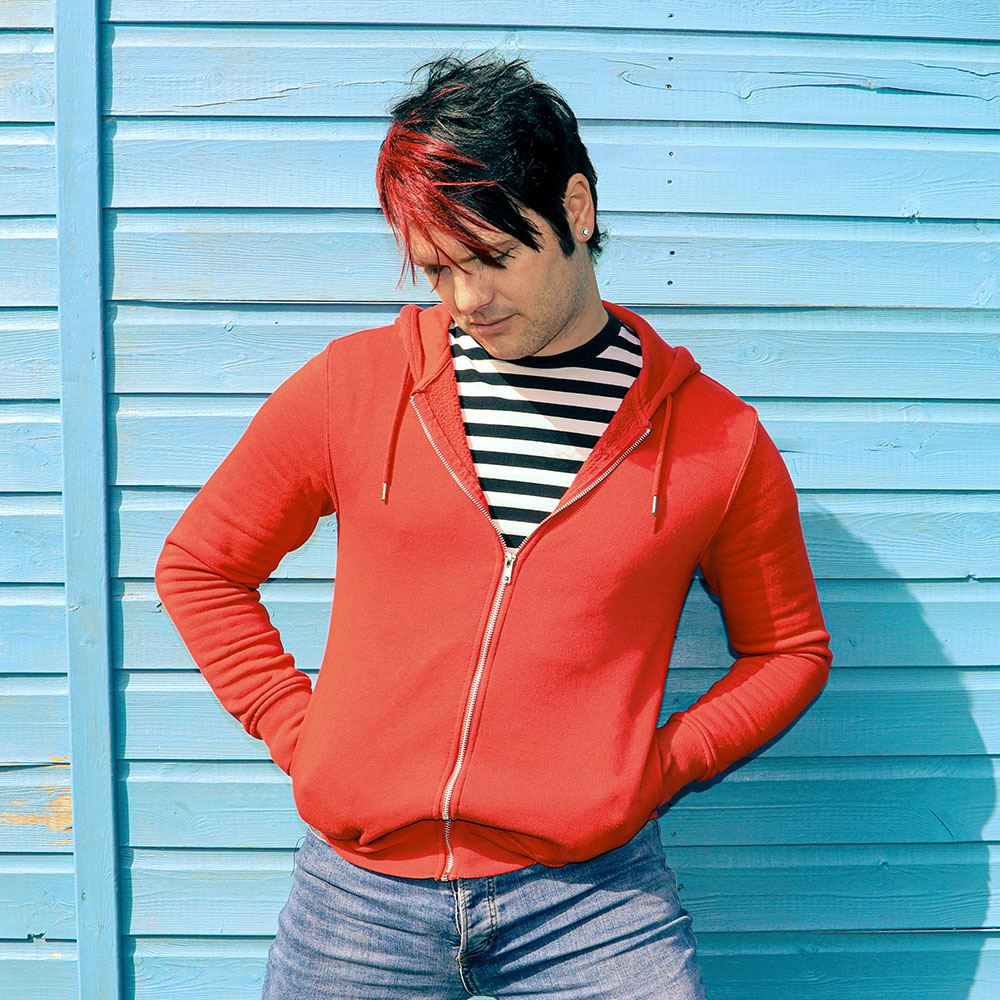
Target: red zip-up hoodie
479,709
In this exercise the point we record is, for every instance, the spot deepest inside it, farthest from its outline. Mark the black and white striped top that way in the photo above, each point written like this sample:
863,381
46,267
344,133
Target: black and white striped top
531,423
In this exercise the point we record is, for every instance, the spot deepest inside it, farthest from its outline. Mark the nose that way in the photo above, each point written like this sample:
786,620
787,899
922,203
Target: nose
472,290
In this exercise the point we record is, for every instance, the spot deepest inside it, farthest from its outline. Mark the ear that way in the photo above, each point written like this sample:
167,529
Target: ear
579,204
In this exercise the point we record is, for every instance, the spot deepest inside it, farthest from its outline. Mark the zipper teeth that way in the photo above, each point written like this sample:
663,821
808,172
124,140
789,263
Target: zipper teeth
451,471
509,556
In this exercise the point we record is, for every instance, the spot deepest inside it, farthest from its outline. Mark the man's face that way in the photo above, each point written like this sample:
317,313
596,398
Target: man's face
537,302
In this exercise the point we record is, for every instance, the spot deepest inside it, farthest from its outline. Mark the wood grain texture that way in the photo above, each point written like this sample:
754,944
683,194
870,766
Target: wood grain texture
29,354
873,353
827,445
768,800
31,539
882,535
644,166
174,716
36,809
767,965
32,629
30,448
36,897
324,256
740,888
702,76
27,77
976,20
39,971
36,723
27,169
920,624
27,13
27,261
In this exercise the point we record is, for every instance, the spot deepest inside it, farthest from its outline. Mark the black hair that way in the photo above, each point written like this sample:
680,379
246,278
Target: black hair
518,143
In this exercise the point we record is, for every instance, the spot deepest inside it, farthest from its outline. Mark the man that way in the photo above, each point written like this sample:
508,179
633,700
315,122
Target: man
525,480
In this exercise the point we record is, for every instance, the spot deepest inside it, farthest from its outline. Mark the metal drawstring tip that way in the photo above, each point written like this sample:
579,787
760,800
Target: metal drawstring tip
655,498
385,490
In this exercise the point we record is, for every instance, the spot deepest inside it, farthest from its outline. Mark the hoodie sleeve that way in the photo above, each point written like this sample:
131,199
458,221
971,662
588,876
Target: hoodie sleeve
756,563
263,501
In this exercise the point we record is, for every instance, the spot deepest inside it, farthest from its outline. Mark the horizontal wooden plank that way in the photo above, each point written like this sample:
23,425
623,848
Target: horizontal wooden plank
27,168
36,809
843,800
821,887
30,447
174,716
27,76
849,535
643,166
140,520
27,14
974,19
878,353
874,623
36,896
32,629
924,965
701,76
799,965
31,539
350,255
36,722
29,353
39,970
28,261
827,445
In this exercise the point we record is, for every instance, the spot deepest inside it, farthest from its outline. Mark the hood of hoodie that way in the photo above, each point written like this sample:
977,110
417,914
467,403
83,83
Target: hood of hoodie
424,333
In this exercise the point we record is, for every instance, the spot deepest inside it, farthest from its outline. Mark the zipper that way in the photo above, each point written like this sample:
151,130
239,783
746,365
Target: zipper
505,577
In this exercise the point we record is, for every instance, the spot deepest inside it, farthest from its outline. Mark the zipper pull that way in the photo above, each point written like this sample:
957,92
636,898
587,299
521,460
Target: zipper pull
508,565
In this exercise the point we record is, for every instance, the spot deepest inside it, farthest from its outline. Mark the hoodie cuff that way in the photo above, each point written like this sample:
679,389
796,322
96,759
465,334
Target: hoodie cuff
280,729
684,754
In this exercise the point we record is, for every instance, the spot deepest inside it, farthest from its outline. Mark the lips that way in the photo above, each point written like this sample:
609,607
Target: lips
492,327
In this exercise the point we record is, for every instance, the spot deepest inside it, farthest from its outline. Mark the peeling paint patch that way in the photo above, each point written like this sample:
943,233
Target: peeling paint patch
57,816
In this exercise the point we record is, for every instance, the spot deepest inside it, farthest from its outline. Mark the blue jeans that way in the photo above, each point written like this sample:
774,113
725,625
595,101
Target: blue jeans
611,928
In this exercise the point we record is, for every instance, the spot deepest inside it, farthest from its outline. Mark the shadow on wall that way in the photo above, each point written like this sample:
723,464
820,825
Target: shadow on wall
861,824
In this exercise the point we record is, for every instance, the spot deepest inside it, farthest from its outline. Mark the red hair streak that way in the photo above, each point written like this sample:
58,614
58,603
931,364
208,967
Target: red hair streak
415,190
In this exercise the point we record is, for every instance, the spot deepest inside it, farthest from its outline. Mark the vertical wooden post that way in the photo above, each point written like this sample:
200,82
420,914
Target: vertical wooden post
81,313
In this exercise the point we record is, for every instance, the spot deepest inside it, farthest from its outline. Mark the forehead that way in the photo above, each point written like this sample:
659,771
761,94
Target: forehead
429,247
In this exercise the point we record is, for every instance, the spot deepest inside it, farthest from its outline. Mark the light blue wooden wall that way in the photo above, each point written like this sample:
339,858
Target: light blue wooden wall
803,194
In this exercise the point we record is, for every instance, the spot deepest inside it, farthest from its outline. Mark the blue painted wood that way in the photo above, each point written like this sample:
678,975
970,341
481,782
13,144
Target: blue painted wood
36,897
768,800
706,76
27,170
81,314
643,166
833,887
32,629
29,354
973,19
888,535
919,624
861,712
31,531
39,970
28,275
27,13
36,812
27,77
234,256
931,965
30,447
878,353
827,445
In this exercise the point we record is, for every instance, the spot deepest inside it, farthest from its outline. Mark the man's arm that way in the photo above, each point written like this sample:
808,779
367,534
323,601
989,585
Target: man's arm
263,501
756,563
